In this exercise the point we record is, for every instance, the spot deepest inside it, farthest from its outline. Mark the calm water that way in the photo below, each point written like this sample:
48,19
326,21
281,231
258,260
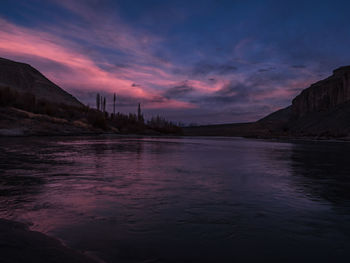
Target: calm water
182,199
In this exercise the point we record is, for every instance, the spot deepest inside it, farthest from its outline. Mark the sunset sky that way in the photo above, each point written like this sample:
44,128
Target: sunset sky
191,61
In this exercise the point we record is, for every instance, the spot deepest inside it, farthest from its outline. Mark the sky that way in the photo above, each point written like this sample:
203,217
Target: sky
203,62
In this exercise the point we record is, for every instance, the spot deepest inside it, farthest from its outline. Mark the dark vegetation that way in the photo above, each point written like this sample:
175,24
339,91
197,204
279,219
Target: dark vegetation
161,125
97,118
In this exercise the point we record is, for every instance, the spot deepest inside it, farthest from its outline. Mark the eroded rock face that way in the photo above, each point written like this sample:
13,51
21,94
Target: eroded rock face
325,94
25,78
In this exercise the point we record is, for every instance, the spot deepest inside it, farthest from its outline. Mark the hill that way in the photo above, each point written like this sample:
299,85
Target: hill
30,104
24,78
321,110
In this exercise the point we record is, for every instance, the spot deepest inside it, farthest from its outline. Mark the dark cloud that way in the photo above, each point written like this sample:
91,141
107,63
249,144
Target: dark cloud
178,91
156,99
263,50
266,69
233,93
271,78
263,70
161,56
227,95
298,66
205,68
126,101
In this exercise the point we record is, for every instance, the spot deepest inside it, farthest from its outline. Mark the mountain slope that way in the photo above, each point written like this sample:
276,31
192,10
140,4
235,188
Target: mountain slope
30,104
324,95
24,78
321,110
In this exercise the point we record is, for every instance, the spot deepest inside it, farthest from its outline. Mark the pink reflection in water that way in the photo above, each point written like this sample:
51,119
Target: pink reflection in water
157,195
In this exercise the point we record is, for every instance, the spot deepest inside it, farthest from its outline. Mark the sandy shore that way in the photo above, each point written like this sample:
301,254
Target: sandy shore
19,244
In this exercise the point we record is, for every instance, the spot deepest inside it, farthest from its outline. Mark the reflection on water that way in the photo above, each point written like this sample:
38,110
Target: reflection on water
182,199
323,170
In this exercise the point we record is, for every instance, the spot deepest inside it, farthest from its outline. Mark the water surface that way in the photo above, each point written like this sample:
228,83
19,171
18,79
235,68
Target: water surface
128,199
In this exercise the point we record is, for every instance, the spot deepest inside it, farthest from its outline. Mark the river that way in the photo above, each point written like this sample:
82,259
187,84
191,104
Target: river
182,199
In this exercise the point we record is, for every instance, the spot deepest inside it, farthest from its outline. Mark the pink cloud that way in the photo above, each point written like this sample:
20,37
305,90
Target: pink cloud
81,71
85,69
75,67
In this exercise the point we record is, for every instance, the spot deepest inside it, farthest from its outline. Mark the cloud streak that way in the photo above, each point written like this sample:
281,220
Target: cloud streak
183,61
62,62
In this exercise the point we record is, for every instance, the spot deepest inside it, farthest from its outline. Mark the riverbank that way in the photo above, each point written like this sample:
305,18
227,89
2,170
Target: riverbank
259,130
19,244
16,122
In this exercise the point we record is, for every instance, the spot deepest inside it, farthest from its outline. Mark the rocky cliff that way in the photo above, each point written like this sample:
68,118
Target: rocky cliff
320,111
24,78
324,95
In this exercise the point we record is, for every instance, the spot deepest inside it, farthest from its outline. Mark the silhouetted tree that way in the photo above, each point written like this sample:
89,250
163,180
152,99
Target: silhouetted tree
97,119
162,125
139,114
98,101
114,100
104,104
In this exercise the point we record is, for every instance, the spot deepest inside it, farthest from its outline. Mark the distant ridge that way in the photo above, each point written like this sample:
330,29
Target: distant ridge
321,110
324,95
32,105
24,78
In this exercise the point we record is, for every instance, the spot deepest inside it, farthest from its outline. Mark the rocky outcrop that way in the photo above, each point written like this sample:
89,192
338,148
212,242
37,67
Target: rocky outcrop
320,111
324,95
24,78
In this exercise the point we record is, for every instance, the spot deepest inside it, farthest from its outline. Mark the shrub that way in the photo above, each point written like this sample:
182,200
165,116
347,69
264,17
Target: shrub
97,119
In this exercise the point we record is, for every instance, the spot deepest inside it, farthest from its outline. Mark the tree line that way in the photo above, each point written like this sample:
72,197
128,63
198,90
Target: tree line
99,118
135,122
